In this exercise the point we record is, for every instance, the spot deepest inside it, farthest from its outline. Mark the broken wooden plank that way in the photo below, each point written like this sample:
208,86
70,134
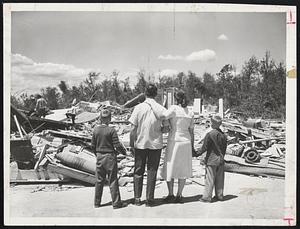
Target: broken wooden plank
239,128
36,128
261,140
18,126
69,135
42,154
20,115
49,124
136,100
23,130
30,123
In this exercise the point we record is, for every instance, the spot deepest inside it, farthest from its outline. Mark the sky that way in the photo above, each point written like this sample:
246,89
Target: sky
48,47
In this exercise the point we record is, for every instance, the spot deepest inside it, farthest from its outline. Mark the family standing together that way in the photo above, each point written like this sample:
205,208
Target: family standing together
149,120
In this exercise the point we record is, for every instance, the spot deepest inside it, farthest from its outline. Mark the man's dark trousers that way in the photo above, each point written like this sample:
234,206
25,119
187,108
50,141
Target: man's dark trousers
151,157
107,165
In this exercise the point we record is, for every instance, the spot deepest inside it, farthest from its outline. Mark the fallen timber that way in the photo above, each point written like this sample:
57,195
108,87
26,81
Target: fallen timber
243,130
38,124
62,134
48,124
261,140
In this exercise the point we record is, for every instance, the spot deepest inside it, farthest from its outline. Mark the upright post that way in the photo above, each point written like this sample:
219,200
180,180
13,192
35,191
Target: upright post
221,110
197,106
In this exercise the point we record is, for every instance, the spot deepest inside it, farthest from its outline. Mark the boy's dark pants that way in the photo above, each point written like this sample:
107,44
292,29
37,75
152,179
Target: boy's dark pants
107,165
152,158
214,178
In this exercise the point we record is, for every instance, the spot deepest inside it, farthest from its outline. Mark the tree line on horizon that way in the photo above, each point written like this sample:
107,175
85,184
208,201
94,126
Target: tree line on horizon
259,90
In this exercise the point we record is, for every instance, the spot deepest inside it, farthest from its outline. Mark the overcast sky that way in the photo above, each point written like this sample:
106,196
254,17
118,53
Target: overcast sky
51,46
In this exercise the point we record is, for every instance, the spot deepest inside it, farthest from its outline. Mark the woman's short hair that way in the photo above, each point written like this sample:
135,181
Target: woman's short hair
180,98
151,90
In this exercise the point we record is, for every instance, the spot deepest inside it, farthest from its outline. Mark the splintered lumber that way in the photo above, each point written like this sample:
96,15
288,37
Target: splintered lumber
136,100
42,154
69,135
49,124
35,129
239,128
278,164
18,126
261,140
23,130
72,173
20,115
263,164
237,168
30,123
120,121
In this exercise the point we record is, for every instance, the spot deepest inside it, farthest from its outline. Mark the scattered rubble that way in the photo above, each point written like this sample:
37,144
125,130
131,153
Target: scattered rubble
55,149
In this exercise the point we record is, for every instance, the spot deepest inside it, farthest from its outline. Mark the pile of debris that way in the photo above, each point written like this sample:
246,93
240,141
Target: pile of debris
57,150
255,147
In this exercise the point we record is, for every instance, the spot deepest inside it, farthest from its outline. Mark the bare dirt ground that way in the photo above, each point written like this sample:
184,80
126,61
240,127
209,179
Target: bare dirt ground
245,198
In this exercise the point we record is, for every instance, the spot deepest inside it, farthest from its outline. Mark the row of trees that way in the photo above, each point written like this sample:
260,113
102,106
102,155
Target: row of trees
258,90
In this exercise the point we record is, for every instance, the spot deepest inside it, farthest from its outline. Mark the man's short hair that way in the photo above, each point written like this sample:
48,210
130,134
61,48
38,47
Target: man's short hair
216,119
151,90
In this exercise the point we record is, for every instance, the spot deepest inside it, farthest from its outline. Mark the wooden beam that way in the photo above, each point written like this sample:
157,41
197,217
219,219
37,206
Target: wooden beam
69,135
23,130
42,154
37,127
18,126
21,116
261,140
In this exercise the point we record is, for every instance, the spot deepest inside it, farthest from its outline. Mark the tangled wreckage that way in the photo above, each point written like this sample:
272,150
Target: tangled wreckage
57,149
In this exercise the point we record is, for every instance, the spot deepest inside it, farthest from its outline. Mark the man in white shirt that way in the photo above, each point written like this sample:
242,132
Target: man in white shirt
147,142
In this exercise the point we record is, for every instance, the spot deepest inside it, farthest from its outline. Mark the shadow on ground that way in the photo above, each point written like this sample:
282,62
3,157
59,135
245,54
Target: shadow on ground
188,199
225,198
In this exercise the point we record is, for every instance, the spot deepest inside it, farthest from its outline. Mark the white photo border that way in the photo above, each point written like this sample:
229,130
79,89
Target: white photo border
291,107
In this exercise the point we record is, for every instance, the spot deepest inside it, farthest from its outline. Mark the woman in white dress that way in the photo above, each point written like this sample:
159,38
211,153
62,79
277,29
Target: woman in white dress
178,156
